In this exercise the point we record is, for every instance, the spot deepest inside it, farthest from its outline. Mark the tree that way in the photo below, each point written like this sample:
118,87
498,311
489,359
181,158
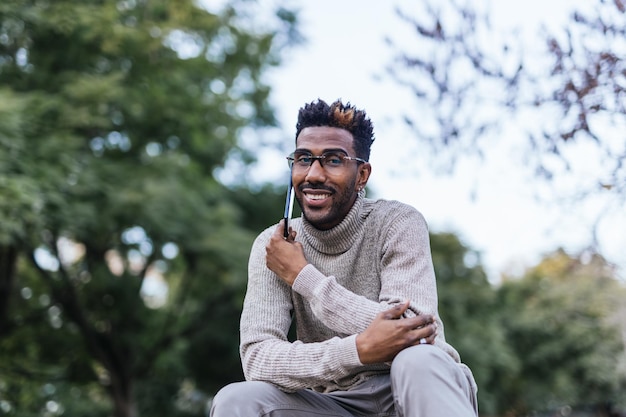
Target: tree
114,117
548,341
468,306
570,91
562,321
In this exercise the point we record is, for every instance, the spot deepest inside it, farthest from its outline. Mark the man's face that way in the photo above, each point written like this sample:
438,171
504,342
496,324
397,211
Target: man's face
326,195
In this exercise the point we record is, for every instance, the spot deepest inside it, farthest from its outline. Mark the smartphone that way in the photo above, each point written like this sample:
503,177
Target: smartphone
288,208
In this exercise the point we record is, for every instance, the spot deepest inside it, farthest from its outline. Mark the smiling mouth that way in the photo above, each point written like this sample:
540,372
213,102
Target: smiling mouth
316,196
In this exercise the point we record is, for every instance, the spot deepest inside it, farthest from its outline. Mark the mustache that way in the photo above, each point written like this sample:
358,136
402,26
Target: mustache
315,187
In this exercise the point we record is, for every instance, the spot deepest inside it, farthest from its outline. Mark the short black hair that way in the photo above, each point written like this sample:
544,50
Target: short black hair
344,116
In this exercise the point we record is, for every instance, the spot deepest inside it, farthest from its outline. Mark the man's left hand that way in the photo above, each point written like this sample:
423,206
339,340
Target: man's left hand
285,256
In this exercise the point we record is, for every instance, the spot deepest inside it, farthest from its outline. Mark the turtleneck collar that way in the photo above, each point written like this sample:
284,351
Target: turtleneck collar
341,237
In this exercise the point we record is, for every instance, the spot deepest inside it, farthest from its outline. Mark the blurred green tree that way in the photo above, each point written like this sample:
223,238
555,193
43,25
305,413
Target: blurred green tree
468,306
564,321
122,257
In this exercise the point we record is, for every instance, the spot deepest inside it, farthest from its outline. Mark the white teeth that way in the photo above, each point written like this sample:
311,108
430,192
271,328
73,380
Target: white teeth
316,196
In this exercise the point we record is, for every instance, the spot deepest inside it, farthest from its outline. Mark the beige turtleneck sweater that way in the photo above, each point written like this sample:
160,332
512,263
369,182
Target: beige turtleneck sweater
377,257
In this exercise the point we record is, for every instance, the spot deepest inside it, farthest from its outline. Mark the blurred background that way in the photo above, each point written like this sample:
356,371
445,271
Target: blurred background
142,148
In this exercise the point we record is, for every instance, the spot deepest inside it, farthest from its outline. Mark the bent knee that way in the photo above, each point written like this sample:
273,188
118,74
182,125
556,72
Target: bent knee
420,358
240,396
241,390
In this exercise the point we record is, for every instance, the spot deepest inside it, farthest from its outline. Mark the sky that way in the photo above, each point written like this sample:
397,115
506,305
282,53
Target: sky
492,205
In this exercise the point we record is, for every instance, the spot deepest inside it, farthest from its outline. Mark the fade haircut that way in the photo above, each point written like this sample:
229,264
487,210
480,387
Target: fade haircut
344,116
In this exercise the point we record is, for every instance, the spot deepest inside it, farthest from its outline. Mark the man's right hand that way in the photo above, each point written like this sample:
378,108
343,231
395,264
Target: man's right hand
389,334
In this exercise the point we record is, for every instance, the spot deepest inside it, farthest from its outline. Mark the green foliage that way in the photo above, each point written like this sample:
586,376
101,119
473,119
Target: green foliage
560,320
113,118
467,303
538,343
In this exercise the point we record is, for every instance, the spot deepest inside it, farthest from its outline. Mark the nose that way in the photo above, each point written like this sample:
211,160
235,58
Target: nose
316,172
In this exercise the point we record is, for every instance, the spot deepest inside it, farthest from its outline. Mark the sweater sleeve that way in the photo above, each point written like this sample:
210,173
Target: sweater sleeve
406,273
266,353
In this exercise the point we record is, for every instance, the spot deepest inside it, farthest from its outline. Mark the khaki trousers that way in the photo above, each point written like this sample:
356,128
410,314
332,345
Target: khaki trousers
424,382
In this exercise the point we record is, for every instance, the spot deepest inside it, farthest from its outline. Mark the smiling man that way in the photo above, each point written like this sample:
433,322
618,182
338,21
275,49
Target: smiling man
355,276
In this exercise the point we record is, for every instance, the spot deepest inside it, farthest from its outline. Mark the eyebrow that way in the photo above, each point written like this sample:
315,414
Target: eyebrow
303,150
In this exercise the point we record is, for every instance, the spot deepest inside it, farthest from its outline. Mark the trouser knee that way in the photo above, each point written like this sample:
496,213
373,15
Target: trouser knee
232,395
427,381
223,396
239,398
419,360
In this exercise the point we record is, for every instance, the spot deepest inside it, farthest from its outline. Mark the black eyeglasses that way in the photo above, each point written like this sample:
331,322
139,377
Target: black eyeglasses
331,161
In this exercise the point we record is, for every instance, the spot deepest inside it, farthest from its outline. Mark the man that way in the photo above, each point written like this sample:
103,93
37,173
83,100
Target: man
356,277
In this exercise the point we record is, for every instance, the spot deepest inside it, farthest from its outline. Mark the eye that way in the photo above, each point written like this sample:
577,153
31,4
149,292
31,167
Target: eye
333,159
303,159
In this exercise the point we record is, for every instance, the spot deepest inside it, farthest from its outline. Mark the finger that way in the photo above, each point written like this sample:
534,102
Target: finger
432,329
280,228
427,335
426,341
395,312
430,340
292,235
418,322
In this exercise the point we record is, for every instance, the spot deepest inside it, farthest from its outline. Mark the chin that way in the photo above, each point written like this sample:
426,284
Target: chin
319,222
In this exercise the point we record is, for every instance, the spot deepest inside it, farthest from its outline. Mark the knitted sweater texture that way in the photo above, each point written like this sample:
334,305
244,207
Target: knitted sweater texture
377,257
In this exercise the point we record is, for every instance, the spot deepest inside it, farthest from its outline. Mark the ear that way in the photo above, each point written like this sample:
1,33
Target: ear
365,170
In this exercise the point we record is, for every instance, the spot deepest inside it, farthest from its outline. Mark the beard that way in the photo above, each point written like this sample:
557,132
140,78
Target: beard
326,218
